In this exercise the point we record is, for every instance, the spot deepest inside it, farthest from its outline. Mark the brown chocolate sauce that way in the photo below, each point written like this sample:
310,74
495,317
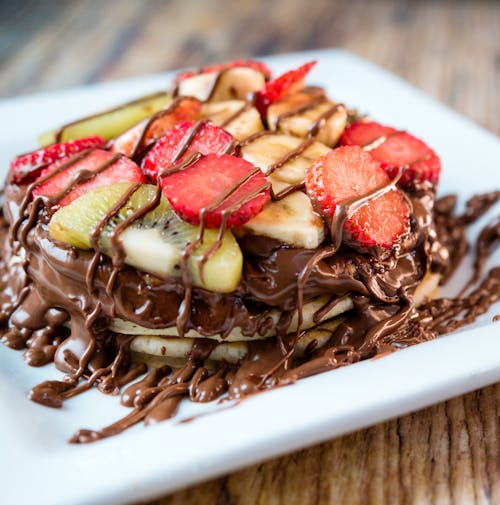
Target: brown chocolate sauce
287,191
312,98
233,117
56,302
378,141
315,99
151,129
290,156
216,79
381,328
321,120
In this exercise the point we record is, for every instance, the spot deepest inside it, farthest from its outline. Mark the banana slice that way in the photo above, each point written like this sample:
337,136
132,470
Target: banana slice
120,326
283,157
294,104
237,117
233,83
285,160
428,289
308,113
291,220
176,347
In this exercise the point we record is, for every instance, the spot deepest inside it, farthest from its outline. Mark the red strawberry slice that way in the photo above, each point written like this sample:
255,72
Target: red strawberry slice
202,137
135,139
73,177
290,81
365,134
420,162
256,65
395,149
27,167
349,173
217,183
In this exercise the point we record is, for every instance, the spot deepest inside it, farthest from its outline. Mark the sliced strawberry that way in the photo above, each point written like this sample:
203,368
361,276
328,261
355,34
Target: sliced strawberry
217,183
135,139
290,81
395,149
256,65
349,173
78,177
420,162
364,134
27,167
204,138
381,222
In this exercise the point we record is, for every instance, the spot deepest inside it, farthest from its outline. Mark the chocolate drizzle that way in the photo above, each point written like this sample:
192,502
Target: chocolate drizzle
212,89
289,156
312,98
178,164
244,108
375,328
316,126
342,213
316,99
378,141
38,201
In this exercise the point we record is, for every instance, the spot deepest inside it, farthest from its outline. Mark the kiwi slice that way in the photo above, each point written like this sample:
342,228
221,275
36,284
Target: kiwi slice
109,123
155,242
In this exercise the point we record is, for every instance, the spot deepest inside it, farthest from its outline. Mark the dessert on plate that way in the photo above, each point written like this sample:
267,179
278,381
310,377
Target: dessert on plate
234,234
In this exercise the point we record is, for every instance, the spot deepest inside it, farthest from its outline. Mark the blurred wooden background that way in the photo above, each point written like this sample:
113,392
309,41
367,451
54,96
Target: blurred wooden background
449,49
447,454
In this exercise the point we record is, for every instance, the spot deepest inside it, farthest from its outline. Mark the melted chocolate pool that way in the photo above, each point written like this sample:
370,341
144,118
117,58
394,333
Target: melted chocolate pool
44,289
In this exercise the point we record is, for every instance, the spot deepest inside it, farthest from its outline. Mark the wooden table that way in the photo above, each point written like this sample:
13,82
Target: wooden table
447,454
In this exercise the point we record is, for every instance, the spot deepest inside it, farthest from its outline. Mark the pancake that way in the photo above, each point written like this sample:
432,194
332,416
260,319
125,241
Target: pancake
309,311
157,348
147,347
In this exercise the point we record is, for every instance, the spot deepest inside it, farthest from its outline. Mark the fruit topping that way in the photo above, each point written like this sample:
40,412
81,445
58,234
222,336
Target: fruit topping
290,81
68,178
290,220
237,117
308,113
366,134
394,150
111,122
186,138
216,190
154,242
137,138
283,158
343,177
234,83
256,65
27,167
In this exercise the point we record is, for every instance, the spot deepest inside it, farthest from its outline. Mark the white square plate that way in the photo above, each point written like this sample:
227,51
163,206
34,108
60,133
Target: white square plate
36,463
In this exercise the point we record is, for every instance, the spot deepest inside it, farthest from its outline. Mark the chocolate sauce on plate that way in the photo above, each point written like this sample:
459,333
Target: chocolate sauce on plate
56,302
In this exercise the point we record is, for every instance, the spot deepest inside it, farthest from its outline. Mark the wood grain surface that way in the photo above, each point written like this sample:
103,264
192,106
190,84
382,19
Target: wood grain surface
446,454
